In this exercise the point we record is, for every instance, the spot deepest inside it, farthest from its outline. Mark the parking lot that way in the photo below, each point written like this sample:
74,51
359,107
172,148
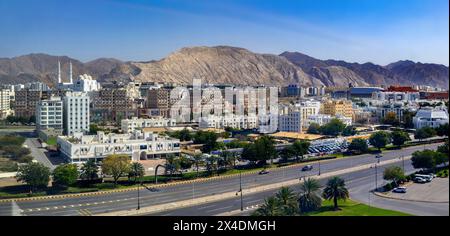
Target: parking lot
435,191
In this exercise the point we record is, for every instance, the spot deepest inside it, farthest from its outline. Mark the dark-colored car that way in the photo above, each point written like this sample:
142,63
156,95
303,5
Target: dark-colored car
307,168
263,172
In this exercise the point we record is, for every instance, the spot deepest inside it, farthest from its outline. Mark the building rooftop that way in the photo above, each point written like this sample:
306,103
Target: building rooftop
294,135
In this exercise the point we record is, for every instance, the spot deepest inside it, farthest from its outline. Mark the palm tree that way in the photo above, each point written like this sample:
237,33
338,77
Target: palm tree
271,207
309,199
198,159
288,201
335,190
136,170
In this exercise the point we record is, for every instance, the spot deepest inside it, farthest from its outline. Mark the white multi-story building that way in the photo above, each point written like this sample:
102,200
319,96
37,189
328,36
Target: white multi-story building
232,121
429,117
307,108
5,103
129,125
396,108
79,148
396,96
290,122
49,115
292,118
85,83
76,112
322,119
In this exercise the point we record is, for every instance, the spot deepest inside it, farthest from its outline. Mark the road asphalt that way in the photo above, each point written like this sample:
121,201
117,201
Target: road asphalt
89,205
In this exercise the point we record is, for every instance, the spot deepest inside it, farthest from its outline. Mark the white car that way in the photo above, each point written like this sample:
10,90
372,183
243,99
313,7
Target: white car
419,180
399,190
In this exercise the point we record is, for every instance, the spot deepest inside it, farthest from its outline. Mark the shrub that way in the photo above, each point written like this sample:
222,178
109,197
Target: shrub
388,187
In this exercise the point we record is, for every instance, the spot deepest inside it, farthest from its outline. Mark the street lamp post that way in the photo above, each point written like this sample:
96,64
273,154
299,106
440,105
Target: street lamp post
319,167
240,190
138,196
403,163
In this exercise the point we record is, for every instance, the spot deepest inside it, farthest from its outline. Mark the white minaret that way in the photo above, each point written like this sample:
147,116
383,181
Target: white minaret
70,72
59,72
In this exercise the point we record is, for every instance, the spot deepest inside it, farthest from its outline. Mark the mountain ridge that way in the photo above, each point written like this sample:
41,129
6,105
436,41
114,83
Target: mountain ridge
225,64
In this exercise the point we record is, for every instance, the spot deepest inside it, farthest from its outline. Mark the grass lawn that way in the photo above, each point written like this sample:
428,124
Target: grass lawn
352,208
51,141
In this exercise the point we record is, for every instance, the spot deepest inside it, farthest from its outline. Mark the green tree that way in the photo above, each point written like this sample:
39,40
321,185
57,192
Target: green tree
380,139
423,159
287,153
208,139
184,135
136,171
116,166
335,190
424,133
89,171
443,148
442,130
408,119
212,163
399,138
36,175
393,173
313,128
333,128
349,131
271,207
227,159
358,145
185,163
198,160
173,164
262,150
300,148
93,129
309,198
65,175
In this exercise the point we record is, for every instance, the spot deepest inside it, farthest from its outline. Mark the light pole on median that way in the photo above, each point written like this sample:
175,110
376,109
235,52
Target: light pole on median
138,196
319,167
240,190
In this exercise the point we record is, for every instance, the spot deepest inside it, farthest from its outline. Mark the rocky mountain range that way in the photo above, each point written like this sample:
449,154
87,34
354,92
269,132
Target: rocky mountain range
227,65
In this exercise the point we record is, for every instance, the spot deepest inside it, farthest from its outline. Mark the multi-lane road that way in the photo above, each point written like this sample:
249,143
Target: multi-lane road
97,204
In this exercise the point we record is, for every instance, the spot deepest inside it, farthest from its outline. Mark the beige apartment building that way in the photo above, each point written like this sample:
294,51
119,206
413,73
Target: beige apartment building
338,107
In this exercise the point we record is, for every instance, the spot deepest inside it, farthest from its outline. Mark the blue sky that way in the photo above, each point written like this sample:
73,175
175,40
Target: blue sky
379,31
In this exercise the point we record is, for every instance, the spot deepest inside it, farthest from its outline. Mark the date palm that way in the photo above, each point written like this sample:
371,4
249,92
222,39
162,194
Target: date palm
137,170
336,190
271,207
288,201
309,199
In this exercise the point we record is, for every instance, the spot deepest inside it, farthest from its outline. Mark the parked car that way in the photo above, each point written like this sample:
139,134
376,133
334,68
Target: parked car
263,172
428,178
399,190
419,180
307,168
